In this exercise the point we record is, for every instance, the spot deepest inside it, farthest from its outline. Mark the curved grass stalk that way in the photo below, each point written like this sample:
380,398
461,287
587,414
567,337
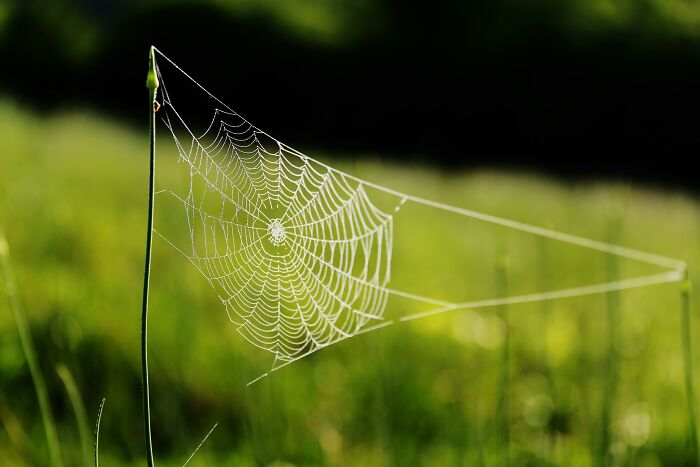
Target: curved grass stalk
76,401
30,354
97,433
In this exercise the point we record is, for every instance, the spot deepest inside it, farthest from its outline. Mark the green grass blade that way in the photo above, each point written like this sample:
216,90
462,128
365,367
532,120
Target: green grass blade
76,401
30,354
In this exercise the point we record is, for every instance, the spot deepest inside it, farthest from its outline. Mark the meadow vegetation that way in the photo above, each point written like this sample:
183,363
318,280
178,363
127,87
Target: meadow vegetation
582,379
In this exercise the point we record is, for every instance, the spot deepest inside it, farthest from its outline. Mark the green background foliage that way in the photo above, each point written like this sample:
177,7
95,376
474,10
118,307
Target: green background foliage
72,203
588,381
82,26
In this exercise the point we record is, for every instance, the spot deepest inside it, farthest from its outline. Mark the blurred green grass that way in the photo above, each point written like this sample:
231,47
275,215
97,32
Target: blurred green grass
73,205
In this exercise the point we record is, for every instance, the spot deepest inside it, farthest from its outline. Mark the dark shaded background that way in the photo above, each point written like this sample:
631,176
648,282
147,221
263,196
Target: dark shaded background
576,87
581,88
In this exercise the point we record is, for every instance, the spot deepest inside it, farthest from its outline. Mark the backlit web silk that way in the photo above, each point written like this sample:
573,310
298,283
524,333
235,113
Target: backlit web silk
298,252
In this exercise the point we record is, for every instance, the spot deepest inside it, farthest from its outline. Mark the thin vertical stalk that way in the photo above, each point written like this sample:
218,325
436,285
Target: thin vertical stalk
97,433
543,257
688,357
611,371
30,354
76,401
152,85
543,283
504,386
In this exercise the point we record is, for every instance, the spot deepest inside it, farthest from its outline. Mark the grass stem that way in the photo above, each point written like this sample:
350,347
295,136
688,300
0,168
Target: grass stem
612,310
30,354
97,433
76,401
152,85
502,271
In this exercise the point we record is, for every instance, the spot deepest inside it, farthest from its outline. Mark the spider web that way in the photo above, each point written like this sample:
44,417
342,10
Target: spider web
299,253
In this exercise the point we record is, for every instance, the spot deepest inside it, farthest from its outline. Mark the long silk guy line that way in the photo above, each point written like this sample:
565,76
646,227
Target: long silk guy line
356,199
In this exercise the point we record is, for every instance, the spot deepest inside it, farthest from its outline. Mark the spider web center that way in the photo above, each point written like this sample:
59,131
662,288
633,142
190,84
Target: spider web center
277,232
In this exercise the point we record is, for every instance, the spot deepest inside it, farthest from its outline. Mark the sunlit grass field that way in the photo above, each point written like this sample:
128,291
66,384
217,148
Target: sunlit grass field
438,391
